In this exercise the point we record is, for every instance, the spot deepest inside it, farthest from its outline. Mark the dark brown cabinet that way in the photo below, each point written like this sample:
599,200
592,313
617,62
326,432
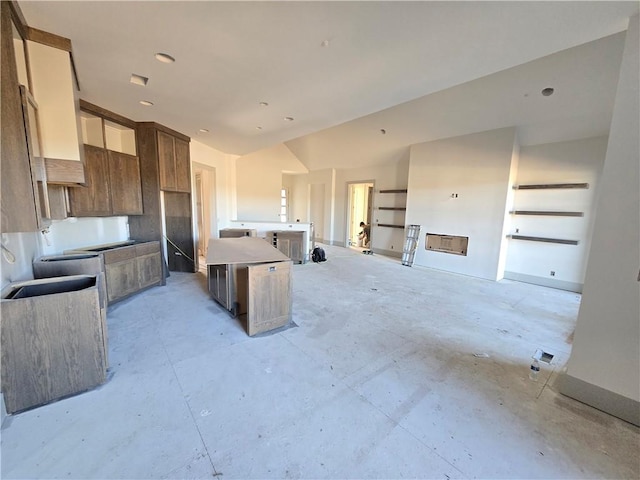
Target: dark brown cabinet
54,340
24,200
128,267
113,185
166,178
173,159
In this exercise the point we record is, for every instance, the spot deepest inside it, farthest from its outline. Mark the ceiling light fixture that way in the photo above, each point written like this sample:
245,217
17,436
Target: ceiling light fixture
146,103
164,58
288,119
383,131
139,80
203,130
258,128
264,104
325,43
547,91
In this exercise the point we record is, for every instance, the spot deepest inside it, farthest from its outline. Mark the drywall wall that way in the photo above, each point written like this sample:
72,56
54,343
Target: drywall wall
388,176
225,178
474,169
604,367
15,264
577,161
83,232
259,181
313,201
506,225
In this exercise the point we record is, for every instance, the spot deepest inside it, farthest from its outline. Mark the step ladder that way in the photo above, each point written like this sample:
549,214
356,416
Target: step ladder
410,245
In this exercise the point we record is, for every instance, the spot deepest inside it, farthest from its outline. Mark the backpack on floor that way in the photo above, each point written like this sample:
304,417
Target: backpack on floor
318,255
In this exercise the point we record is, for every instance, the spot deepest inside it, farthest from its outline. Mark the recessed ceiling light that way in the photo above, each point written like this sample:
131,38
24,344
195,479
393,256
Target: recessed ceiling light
264,104
146,103
203,130
258,128
139,80
547,91
288,119
325,43
164,58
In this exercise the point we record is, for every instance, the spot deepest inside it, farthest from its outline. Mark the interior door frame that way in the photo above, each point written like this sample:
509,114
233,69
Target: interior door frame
348,206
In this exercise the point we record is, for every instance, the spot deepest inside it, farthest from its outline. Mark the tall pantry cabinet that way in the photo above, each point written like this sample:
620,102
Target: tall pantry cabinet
166,195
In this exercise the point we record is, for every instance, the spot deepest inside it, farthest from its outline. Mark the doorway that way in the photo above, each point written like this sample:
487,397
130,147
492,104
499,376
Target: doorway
204,182
359,209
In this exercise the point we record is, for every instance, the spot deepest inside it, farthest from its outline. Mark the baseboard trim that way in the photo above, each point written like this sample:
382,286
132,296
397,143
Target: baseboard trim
388,253
609,402
544,282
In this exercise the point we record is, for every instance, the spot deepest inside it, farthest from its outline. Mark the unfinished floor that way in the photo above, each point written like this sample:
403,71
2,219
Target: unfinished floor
391,372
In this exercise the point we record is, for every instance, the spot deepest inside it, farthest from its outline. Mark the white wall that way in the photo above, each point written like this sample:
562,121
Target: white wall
604,367
15,265
259,181
225,174
577,161
83,232
475,167
389,176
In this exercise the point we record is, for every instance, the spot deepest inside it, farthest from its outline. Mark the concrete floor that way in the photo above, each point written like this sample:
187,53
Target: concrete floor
392,372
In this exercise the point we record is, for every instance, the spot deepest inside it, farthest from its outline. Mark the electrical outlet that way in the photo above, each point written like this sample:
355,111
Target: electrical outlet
552,273
517,230
391,247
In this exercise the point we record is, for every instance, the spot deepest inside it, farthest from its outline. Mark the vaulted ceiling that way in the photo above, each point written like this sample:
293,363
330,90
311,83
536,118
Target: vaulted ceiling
344,71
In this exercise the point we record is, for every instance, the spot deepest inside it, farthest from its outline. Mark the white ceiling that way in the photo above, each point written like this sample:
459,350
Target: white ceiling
406,67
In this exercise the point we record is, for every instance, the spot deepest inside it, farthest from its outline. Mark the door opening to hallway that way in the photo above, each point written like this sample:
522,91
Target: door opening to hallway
359,210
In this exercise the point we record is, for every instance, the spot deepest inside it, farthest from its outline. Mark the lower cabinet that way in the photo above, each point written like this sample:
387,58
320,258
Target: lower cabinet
54,340
291,243
128,267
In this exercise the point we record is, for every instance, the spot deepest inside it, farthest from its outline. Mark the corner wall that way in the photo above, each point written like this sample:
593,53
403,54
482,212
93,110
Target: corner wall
477,169
604,367
577,161
259,181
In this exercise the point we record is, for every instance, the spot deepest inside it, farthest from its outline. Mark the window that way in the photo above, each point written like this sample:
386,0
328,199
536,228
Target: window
283,205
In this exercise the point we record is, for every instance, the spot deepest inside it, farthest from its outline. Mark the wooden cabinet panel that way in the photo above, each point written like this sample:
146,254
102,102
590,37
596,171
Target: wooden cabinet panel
269,296
53,341
183,166
113,185
93,200
128,268
149,270
122,279
290,242
124,180
167,162
180,247
158,147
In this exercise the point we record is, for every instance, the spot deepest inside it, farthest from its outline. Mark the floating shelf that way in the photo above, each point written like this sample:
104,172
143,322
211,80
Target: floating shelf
392,208
389,225
548,186
547,213
394,191
544,239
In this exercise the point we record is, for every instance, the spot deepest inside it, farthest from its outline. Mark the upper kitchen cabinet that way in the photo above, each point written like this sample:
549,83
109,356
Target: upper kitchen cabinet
53,85
24,203
173,157
113,185
166,180
41,148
